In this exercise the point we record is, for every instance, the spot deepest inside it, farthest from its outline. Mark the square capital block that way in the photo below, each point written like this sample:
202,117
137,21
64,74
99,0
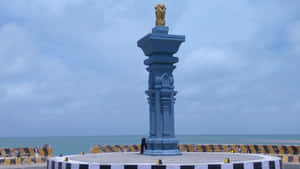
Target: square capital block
159,42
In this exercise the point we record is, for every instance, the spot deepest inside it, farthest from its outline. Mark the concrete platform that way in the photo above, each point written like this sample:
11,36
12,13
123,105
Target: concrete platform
189,160
185,158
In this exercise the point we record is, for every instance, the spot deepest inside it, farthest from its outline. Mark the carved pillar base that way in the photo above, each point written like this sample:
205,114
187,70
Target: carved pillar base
162,147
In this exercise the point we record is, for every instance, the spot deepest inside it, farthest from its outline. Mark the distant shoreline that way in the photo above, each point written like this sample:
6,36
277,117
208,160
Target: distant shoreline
77,144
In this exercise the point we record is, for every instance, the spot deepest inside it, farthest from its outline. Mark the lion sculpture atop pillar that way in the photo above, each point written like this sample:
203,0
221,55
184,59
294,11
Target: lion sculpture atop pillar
160,11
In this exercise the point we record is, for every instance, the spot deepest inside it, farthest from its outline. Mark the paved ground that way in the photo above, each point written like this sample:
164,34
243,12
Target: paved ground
185,158
291,166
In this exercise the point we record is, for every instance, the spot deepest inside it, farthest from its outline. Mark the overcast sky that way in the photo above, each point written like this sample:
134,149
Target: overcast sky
72,67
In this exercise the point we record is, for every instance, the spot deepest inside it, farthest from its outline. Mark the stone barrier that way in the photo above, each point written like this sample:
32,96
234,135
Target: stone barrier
288,153
115,148
22,160
25,155
290,158
236,148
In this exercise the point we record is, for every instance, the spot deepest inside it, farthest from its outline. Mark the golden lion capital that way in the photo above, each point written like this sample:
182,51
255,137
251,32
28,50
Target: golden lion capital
160,11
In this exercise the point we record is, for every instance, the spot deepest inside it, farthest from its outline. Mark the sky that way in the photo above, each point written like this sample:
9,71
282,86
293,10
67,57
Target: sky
72,67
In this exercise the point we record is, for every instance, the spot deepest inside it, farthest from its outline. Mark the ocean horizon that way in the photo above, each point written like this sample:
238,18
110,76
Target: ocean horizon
76,144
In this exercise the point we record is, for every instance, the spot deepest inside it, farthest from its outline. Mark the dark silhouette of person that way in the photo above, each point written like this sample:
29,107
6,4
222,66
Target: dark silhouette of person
143,145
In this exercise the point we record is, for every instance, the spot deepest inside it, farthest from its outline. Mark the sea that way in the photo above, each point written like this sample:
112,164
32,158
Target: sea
75,144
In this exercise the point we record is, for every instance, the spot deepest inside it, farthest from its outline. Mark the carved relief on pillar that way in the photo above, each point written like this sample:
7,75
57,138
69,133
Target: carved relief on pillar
167,81
164,81
152,119
164,84
166,119
152,114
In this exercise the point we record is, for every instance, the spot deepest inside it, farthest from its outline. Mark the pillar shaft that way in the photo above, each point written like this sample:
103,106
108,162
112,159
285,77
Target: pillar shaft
160,46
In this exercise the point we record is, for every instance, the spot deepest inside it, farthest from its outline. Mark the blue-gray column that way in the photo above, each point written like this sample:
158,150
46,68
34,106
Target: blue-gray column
160,46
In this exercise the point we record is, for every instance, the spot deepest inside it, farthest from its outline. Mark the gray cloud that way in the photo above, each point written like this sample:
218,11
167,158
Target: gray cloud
73,67
239,67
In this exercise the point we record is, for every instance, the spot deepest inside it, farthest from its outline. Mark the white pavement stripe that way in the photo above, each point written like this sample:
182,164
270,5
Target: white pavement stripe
74,166
227,166
94,166
265,165
277,164
56,165
64,165
144,167
173,167
49,164
248,166
117,167
201,167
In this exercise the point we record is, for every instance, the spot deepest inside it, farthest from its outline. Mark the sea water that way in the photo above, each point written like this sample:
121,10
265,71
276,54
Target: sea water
76,144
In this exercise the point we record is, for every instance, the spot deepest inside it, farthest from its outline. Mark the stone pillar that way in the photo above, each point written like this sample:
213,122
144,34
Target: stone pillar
160,46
